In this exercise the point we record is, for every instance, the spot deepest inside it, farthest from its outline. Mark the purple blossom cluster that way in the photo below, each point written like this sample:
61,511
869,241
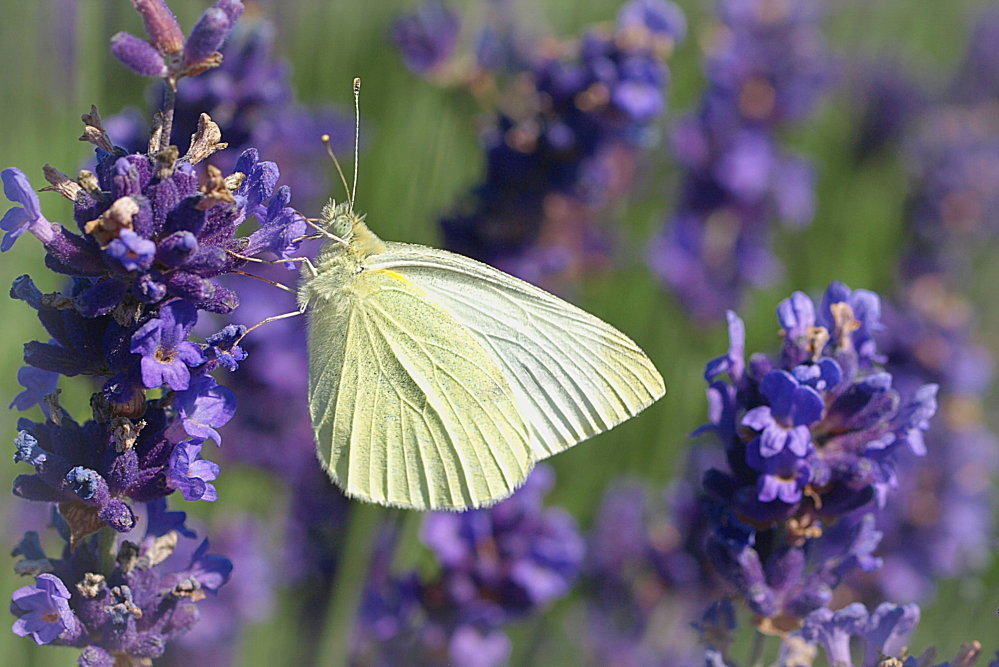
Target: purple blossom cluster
495,565
563,140
247,599
155,233
645,578
166,54
427,37
954,205
766,67
250,97
315,519
118,601
941,520
811,442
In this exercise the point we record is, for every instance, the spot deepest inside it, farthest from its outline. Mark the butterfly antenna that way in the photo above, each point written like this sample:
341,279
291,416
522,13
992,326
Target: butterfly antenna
357,134
343,179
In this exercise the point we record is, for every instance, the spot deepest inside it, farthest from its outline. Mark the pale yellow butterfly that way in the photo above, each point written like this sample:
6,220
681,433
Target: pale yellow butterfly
437,382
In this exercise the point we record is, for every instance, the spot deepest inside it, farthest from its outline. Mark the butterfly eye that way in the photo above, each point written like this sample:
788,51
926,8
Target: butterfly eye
342,226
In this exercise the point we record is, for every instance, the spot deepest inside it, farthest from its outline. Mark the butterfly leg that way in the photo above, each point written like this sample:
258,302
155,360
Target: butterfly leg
309,266
273,318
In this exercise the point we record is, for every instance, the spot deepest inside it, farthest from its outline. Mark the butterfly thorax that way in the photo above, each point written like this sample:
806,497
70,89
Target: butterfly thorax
341,258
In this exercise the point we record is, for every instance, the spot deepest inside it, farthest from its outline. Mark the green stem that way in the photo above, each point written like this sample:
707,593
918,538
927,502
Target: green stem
756,654
351,576
108,549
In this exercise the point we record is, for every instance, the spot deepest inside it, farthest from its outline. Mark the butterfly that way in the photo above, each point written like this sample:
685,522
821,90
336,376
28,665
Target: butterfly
437,381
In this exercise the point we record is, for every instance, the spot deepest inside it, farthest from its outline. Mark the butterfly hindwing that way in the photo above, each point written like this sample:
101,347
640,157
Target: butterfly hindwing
573,374
407,406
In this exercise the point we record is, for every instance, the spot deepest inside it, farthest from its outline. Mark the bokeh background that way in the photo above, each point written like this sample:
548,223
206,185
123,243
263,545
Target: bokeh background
419,157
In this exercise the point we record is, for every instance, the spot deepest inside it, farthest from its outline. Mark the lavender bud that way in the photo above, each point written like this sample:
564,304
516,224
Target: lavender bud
233,9
175,249
206,37
161,25
138,55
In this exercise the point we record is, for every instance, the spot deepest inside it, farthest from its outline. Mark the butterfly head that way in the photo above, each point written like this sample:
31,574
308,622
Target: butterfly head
339,219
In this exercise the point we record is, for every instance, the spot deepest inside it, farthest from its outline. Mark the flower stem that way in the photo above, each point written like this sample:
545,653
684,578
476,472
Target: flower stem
166,113
351,576
756,653
107,541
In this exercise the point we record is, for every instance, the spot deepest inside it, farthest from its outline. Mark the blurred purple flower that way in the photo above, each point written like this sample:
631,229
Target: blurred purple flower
644,578
496,565
767,67
559,155
883,633
427,37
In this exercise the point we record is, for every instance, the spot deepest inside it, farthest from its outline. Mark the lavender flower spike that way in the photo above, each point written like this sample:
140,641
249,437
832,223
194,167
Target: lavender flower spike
812,438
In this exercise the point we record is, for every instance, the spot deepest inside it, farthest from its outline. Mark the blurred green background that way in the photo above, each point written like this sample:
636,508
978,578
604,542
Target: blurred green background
421,154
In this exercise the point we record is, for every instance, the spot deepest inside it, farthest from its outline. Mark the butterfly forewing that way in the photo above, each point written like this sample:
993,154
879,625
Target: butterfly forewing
408,407
573,374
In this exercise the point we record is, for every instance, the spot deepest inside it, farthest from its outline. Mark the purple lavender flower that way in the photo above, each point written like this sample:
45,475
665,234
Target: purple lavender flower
166,354
205,407
222,348
132,251
568,148
129,609
812,443
496,564
784,422
167,54
427,37
37,385
28,217
883,633
766,70
43,611
155,234
250,97
190,474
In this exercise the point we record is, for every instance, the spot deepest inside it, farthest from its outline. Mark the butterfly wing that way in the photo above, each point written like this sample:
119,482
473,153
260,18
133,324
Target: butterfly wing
573,374
408,408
